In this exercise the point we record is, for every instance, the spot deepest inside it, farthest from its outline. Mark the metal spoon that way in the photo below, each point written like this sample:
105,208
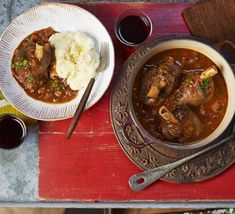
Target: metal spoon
140,181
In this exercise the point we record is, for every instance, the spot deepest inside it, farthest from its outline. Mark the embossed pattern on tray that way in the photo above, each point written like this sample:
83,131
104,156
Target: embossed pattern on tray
199,169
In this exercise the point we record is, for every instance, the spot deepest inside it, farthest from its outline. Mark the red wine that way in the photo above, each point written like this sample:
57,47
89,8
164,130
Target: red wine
12,132
134,29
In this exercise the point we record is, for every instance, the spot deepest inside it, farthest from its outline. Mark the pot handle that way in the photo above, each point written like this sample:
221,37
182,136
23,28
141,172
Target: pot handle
219,46
130,141
233,67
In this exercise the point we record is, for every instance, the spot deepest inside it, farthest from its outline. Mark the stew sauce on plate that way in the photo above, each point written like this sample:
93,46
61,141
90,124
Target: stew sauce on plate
33,66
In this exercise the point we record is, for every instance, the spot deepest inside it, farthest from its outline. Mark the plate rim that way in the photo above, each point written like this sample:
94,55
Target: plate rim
111,64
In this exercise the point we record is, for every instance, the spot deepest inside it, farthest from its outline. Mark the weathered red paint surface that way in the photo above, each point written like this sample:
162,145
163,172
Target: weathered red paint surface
91,166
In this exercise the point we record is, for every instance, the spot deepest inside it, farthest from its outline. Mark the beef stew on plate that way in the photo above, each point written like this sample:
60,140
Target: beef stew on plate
180,96
33,66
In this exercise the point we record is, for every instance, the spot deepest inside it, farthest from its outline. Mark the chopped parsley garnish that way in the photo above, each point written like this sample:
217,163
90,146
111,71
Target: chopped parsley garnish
31,78
20,64
193,126
55,87
25,62
204,84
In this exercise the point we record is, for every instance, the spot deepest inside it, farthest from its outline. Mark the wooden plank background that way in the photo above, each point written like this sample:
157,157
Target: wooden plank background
92,166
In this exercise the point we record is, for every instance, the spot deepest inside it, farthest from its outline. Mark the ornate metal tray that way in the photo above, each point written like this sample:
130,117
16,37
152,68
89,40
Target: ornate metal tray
150,156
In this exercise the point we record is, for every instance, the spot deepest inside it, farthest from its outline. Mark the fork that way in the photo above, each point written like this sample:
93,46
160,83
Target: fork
104,62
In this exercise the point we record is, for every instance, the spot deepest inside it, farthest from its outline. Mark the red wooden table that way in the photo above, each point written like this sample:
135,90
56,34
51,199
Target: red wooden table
91,166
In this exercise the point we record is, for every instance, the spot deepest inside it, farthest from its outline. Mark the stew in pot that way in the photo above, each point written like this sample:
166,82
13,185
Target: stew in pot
180,96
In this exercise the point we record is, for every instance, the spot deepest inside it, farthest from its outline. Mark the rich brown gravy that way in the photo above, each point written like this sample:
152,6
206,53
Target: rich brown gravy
39,84
189,60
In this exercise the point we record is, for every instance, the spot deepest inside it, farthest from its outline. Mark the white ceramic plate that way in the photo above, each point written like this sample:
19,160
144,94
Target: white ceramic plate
61,17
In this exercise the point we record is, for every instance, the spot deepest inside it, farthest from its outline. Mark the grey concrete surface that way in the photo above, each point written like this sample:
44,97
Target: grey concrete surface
19,167
19,170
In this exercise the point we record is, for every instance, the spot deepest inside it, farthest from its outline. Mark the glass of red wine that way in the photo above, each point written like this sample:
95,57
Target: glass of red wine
12,131
133,27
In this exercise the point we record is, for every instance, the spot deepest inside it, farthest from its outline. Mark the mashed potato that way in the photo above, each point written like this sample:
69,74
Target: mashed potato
76,58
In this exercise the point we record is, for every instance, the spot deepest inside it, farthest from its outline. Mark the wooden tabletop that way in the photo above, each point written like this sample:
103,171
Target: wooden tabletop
52,157
91,166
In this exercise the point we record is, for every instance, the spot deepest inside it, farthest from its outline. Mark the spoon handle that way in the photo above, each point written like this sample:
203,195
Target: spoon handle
140,181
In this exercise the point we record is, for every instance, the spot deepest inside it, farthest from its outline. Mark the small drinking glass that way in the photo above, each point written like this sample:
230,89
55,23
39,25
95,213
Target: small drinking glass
133,27
12,131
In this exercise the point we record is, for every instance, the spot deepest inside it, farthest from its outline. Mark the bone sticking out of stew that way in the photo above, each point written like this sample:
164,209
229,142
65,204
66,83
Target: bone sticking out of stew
163,81
208,73
185,127
193,93
197,88
167,115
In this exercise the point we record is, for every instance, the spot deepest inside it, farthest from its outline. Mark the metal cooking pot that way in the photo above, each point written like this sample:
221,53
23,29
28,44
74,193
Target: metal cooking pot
138,59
